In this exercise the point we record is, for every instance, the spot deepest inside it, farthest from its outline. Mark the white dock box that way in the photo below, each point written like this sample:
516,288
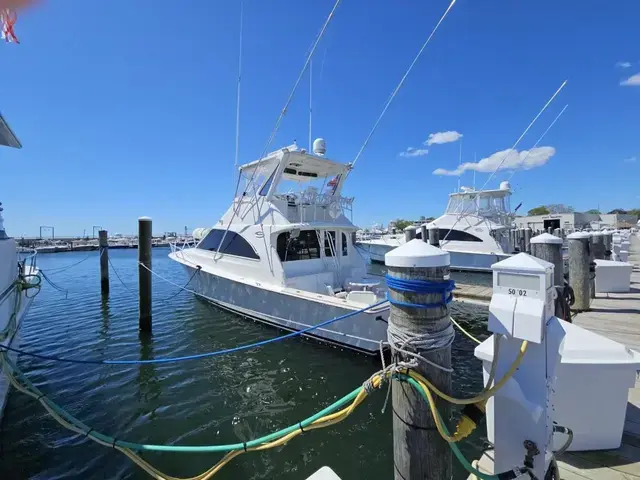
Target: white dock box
613,277
591,389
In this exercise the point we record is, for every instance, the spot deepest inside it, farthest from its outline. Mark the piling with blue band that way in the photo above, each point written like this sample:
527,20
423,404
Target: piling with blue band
445,288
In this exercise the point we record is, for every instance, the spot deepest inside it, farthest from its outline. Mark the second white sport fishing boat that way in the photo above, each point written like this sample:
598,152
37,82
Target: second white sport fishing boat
474,230
285,255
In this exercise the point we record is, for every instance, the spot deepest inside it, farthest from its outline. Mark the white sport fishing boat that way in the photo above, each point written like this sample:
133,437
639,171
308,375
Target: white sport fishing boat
17,271
474,230
286,255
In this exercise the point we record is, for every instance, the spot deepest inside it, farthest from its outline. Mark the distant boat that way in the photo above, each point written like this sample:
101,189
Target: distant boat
474,230
287,257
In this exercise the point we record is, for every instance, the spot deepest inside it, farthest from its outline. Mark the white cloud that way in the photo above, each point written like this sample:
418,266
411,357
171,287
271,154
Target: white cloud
623,64
524,160
414,152
632,81
630,160
443,137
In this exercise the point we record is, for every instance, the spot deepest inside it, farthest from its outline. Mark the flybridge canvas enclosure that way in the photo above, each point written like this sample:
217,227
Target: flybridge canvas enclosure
290,170
7,137
485,203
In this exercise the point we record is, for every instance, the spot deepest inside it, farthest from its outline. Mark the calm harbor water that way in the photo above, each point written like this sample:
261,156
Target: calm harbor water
220,400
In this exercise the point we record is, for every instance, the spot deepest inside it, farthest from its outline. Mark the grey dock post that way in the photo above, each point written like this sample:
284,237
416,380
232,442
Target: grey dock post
549,248
579,269
522,242
419,452
103,243
409,233
527,239
557,232
434,236
598,245
592,268
608,244
144,274
424,233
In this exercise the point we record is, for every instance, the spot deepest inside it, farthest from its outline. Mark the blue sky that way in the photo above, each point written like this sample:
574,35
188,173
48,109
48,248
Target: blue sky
127,107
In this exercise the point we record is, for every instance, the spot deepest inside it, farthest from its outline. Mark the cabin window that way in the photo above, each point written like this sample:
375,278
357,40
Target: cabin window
345,245
329,243
303,246
457,236
234,244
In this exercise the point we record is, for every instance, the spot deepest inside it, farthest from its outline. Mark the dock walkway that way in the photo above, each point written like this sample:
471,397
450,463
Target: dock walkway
616,316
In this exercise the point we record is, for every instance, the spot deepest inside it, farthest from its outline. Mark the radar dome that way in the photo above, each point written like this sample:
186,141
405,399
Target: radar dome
319,146
505,186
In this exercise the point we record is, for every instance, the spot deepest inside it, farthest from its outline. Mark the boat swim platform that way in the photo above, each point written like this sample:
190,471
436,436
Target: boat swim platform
617,317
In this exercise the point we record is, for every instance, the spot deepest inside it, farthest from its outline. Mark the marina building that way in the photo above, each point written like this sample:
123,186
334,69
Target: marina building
577,221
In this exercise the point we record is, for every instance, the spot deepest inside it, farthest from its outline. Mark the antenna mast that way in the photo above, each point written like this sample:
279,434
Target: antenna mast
310,101
235,164
459,163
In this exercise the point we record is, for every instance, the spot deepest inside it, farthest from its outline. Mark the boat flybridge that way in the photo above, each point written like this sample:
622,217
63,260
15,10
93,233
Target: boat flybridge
474,230
284,252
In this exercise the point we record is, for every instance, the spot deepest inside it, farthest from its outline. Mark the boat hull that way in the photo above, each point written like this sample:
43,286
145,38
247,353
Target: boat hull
13,340
362,332
464,261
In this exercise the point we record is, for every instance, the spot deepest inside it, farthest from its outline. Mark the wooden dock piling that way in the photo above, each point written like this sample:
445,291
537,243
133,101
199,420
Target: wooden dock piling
521,241
419,450
579,270
434,236
549,248
527,239
598,245
144,274
409,234
103,243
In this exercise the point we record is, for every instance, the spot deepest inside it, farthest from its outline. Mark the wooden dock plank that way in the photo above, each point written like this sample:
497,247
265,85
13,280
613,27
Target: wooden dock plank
472,293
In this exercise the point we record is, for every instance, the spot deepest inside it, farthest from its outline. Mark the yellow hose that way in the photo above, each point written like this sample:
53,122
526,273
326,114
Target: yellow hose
464,331
326,421
486,393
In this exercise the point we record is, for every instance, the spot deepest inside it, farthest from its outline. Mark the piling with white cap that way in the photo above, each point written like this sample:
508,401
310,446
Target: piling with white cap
579,276
409,233
418,449
549,247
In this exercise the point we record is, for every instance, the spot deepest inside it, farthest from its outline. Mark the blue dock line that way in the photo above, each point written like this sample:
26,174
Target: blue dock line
445,288
196,356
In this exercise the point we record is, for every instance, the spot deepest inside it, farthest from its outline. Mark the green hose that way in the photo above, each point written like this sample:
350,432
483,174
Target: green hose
36,393
456,451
